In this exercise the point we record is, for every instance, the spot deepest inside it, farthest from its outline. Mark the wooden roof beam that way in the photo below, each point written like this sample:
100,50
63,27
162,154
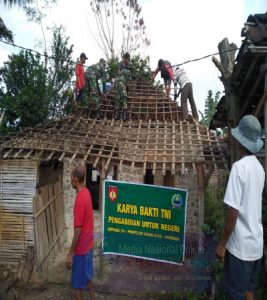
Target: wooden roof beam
147,143
7,153
248,75
137,143
18,153
126,143
173,148
259,108
103,146
252,91
156,148
92,145
113,149
62,156
164,152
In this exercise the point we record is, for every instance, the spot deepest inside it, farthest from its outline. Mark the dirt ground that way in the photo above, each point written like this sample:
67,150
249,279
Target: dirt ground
52,291
124,278
127,278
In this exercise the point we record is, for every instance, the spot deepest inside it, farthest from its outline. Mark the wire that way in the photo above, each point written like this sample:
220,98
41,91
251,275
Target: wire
69,61
41,54
204,57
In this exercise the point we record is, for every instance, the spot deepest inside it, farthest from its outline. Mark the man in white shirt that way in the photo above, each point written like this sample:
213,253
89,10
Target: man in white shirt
186,89
241,244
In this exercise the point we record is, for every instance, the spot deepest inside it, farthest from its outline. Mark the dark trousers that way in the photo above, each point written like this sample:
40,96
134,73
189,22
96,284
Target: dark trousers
187,93
79,96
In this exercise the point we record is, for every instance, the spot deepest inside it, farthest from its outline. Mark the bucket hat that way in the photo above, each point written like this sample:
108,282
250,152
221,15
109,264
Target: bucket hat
248,133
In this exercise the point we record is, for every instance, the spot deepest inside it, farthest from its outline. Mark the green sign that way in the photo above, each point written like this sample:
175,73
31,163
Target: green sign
144,221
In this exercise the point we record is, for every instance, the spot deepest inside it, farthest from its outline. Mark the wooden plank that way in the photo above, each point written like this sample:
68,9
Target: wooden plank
137,143
113,148
49,250
48,203
165,147
18,153
173,148
126,145
211,150
28,154
156,149
103,146
95,138
147,143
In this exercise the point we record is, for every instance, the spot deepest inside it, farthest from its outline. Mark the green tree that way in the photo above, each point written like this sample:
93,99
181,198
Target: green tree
5,33
31,92
141,67
37,12
24,99
60,71
124,16
210,107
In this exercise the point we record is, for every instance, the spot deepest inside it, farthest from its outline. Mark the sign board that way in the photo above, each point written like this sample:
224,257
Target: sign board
144,221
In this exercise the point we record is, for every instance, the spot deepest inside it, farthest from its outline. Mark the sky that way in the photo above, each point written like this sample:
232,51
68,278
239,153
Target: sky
179,30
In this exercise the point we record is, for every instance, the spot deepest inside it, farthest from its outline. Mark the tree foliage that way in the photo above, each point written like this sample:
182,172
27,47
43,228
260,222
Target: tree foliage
210,106
24,100
5,33
37,12
31,92
119,17
141,67
59,73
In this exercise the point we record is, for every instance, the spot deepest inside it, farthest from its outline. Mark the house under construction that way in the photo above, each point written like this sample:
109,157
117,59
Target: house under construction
154,146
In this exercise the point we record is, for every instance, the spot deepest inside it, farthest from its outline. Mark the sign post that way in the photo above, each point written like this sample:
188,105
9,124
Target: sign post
144,221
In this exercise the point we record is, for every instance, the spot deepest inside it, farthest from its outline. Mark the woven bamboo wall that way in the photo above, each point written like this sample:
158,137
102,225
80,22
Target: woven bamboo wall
17,189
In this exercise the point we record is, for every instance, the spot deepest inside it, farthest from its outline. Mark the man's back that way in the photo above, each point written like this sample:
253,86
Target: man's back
83,217
181,77
244,193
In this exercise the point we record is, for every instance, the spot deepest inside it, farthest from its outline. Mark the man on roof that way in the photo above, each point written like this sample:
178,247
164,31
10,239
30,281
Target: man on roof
186,90
166,73
121,84
80,82
125,63
93,75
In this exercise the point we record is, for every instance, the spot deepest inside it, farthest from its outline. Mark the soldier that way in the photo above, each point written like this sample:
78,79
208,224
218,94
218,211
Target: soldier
92,75
121,93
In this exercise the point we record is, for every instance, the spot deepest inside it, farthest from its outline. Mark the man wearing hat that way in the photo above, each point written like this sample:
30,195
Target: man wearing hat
80,82
241,244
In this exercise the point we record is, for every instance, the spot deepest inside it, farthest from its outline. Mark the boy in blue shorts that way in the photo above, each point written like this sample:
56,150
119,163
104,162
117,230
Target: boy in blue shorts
80,256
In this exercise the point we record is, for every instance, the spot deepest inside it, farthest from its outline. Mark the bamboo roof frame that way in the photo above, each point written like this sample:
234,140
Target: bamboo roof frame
154,136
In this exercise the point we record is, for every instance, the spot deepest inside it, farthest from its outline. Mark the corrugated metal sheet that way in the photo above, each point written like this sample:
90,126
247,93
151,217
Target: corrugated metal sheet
17,189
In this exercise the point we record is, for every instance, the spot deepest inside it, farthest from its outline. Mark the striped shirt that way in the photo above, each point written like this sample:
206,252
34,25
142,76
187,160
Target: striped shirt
181,77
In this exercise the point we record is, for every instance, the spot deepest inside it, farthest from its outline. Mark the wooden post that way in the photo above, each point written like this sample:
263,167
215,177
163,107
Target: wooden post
102,178
201,191
265,123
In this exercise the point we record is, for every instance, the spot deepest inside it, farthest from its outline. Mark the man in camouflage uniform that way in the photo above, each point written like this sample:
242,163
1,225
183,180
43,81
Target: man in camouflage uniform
92,75
121,93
